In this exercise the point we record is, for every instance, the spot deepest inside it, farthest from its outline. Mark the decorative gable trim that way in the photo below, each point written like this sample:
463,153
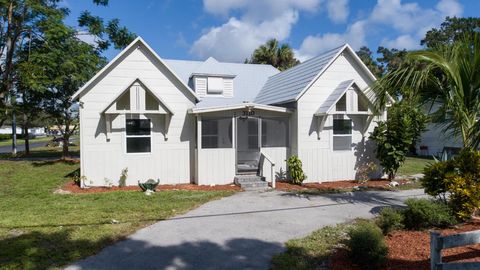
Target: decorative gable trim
132,46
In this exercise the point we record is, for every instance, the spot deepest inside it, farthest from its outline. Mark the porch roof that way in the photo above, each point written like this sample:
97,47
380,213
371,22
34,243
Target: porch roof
246,105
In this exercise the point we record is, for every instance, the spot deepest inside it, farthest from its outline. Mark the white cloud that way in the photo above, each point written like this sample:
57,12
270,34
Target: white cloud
403,42
314,45
338,10
235,40
450,8
409,19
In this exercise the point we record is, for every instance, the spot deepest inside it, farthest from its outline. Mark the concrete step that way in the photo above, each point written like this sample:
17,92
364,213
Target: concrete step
251,182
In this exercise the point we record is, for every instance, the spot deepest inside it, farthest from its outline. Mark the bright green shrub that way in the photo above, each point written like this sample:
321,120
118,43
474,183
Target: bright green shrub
390,219
460,178
295,170
434,179
367,246
426,213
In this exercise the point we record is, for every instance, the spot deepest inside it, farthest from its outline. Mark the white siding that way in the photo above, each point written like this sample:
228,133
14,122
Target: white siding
170,160
279,156
216,166
320,162
435,139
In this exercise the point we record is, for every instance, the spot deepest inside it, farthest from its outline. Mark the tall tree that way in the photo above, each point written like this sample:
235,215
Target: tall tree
367,58
450,31
279,56
446,77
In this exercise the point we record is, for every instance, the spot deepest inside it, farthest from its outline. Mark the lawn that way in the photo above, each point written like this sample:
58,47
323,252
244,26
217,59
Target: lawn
42,230
313,251
414,165
22,141
44,152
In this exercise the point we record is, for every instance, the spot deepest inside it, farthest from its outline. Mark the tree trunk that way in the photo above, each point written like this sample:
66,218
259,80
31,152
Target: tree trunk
27,140
65,151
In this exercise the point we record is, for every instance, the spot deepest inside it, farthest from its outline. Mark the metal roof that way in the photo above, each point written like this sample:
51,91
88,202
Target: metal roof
288,85
248,80
334,97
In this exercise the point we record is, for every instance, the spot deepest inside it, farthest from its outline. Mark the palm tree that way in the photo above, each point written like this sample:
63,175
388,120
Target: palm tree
447,78
270,53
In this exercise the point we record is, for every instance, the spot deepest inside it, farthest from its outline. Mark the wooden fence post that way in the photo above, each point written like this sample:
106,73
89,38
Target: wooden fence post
435,250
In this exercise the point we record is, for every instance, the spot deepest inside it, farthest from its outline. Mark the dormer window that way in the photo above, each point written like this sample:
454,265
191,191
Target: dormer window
215,85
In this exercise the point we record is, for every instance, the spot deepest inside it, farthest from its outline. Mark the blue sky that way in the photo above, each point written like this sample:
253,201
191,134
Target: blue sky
230,30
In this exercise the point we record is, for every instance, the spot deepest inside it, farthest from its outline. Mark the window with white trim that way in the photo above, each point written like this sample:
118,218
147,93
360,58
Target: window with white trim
342,134
138,135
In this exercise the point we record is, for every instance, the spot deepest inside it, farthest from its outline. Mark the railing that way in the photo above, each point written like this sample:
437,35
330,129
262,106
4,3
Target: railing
272,167
438,242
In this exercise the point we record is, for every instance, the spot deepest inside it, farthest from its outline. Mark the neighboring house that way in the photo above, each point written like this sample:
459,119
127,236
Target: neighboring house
35,131
434,141
205,122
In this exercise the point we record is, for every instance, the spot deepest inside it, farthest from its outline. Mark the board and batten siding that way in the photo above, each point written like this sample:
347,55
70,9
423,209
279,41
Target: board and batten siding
170,160
320,162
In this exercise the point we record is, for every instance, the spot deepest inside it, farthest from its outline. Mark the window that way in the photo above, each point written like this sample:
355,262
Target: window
214,85
138,133
342,134
341,105
217,133
275,132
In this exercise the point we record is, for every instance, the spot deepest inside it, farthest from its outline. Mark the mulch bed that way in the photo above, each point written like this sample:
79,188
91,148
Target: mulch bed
74,188
337,185
411,250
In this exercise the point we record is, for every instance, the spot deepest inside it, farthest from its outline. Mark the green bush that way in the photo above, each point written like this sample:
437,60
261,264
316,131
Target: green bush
367,246
434,179
426,213
460,178
295,170
390,219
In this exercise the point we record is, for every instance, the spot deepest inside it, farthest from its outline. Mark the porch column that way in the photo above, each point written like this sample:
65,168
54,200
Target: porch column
234,133
199,132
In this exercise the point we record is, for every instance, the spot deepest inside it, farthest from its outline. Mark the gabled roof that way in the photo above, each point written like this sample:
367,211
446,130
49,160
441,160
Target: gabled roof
212,67
291,84
334,97
148,89
132,46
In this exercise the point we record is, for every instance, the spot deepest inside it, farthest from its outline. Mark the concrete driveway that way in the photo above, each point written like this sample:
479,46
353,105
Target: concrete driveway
242,231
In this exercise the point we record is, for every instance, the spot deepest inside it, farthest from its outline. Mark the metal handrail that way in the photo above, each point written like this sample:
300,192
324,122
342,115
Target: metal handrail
272,166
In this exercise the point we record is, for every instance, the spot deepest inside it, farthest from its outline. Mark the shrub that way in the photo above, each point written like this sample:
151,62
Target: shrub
460,177
367,246
425,213
434,179
295,170
364,171
390,219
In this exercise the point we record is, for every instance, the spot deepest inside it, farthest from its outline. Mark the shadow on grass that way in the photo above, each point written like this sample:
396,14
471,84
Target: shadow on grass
37,250
53,162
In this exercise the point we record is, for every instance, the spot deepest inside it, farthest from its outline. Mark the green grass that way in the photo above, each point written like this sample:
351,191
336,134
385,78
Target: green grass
43,230
313,251
414,165
44,152
22,141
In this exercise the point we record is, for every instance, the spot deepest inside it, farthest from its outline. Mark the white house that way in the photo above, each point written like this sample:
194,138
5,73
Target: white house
206,122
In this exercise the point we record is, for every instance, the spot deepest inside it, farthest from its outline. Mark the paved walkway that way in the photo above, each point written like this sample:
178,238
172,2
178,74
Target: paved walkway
242,231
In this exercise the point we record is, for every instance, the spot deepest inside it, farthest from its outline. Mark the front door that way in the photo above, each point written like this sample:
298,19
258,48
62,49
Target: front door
248,147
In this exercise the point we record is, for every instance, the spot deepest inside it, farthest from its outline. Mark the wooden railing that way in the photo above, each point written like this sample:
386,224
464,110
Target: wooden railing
438,242
272,167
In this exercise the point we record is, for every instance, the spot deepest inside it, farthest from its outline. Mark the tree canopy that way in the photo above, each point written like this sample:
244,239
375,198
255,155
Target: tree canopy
272,53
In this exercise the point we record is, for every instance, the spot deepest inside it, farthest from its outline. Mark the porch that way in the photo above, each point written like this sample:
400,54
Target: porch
240,141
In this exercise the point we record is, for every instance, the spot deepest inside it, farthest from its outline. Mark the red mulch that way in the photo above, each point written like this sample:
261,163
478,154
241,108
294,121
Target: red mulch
346,184
411,250
72,187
